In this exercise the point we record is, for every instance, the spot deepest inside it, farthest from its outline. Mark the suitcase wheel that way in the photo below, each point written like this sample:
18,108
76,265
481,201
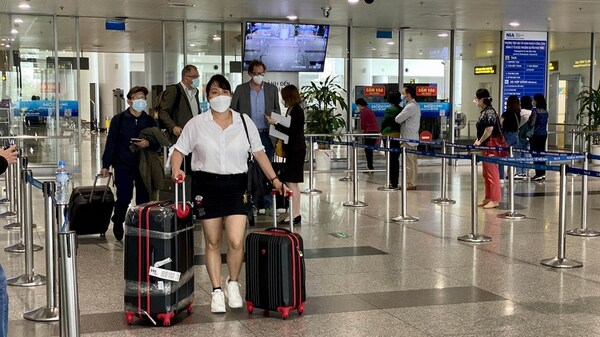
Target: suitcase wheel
249,307
285,312
301,308
103,235
189,308
166,318
129,316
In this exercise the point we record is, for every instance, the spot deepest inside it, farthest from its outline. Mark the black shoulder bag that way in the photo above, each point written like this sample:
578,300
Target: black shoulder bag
258,185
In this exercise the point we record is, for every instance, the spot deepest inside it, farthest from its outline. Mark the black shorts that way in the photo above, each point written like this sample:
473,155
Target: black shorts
223,194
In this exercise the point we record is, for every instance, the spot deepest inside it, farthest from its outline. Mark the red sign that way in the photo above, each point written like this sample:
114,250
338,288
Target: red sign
425,136
49,88
375,91
426,91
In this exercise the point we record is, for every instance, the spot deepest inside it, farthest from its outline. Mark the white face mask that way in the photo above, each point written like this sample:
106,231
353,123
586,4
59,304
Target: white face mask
258,79
220,103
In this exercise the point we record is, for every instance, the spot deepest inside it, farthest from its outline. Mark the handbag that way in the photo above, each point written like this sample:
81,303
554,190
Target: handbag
497,141
258,185
279,151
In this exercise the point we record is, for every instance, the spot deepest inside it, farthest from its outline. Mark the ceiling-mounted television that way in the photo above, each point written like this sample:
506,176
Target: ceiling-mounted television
289,47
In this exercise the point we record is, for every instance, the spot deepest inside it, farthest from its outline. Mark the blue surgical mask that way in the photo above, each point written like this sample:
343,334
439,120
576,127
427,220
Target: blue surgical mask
196,82
403,98
139,105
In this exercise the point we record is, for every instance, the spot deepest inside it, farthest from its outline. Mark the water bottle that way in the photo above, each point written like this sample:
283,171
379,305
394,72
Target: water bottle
62,184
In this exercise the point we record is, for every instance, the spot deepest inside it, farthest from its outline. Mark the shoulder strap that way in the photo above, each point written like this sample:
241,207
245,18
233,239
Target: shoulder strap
120,126
245,128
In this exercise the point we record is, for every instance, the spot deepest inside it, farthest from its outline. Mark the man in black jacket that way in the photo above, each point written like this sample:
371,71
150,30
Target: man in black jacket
124,131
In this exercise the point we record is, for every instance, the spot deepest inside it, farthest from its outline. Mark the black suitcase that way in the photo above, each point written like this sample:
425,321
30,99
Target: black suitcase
90,208
158,234
275,272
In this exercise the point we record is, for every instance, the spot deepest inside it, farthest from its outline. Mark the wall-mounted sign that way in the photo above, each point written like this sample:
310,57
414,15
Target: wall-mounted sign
485,70
427,90
374,91
524,64
46,108
553,66
582,63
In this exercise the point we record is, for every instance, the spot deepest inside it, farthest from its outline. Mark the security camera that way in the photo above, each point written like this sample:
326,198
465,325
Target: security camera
326,11
369,1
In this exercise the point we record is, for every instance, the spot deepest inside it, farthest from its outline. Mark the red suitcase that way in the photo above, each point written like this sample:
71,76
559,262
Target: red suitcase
275,272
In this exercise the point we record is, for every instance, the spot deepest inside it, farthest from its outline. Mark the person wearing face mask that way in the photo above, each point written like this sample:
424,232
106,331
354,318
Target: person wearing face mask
410,121
258,99
180,103
124,131
219,145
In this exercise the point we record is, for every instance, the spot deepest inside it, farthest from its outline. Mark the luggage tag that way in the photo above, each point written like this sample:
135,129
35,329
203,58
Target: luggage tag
164,274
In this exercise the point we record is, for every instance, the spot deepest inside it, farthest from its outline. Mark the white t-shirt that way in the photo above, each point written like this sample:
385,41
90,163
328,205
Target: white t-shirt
525,113
215,150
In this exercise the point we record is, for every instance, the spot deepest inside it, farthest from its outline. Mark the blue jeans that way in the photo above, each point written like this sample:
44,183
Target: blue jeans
270,151
3,305
524,145
512,139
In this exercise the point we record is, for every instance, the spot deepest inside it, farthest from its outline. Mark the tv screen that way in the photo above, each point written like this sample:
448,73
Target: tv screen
286,46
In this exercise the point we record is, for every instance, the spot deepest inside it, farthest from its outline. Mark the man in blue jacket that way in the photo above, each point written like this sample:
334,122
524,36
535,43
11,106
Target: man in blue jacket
123,132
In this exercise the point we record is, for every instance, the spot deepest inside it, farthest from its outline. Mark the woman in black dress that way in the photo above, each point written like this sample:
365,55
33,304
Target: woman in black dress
295,149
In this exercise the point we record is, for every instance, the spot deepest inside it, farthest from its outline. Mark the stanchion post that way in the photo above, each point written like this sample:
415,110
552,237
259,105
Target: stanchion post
69,298
18,167
348,167
573,147
583,230
387,187
474,236
443,199
561,261
403,202
49,312
355,202
29,278
311,171
511,214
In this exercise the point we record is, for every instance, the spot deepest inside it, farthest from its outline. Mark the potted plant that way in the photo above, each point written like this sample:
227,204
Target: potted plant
589,100
320,103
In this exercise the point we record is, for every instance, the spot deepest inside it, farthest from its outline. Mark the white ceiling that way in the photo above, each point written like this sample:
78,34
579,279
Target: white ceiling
480,19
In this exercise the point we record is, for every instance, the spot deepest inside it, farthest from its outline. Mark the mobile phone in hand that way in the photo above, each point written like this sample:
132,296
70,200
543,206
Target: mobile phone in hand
135,140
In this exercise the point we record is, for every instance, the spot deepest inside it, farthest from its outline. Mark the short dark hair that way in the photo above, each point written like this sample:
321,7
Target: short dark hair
291,95
540,101
256,63
361,101
221,81
485,95
526,103
135,90
394,98
411,90
188,69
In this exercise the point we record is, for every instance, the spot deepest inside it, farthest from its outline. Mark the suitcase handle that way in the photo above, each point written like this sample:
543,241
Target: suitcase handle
94,186
182,209
277,229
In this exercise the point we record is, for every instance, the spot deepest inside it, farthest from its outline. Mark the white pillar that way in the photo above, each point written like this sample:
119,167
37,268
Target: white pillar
113,72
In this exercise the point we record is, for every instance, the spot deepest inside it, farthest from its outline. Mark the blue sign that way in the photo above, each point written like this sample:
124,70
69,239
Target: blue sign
434,109
525,65
46,108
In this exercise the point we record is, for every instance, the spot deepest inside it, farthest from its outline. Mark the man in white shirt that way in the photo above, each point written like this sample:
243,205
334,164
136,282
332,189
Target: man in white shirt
410,121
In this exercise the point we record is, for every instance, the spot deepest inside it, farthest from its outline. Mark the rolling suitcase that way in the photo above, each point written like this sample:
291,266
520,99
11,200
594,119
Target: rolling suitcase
275,271
90,208
159,259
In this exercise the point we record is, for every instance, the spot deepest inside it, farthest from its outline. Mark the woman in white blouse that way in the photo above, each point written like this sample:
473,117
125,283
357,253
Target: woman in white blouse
219,148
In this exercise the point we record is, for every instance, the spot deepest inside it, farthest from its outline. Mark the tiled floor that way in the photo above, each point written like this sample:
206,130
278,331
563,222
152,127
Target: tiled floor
383,278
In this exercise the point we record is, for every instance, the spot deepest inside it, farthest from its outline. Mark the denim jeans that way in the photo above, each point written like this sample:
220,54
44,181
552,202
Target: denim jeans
512,139
524,145
3,304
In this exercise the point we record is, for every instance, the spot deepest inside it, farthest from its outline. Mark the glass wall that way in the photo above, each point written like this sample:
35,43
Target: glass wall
477,63
204,51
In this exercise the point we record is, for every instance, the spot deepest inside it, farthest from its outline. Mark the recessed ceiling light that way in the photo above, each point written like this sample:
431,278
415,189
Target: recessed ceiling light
7,46
420,52
443,34
17,20
352,1
25,5
391,43
373,49
292,17
514,24
12,39
14,31
192,45
216,37
490,51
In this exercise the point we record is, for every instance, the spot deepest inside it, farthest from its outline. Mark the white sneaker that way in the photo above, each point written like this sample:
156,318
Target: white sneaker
217,305
281,210
233,294
262,211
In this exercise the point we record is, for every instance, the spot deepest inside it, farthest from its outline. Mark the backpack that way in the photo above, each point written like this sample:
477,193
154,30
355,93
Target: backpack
158,100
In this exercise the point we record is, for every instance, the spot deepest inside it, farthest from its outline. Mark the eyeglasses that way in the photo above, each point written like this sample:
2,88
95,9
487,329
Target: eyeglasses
258,74
192,77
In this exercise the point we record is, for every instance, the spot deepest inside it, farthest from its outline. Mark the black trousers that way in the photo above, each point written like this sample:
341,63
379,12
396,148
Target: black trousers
371,141
394,163
538,143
